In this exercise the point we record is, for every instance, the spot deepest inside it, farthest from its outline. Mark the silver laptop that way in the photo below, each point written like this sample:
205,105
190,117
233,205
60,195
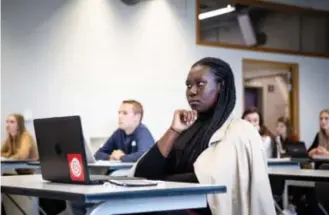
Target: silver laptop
91,158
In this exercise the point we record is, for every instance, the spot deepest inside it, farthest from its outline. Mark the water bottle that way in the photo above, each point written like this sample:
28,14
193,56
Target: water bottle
278,146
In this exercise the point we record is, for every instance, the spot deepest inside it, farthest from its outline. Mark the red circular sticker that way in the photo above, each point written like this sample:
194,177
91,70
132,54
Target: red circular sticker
76,167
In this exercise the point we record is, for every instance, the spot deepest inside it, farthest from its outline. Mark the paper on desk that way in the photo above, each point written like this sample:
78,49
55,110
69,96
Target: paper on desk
107,162
278,159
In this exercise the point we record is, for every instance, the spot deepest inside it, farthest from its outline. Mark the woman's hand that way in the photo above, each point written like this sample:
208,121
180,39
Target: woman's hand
322,151
183,119
313,152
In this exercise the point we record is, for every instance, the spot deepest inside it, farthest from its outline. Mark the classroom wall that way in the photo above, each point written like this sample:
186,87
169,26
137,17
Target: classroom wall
84,57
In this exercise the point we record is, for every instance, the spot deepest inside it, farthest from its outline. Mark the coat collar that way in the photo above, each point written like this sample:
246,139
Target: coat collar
220,133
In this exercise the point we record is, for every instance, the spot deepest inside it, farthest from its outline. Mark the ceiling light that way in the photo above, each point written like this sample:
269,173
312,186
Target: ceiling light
217,12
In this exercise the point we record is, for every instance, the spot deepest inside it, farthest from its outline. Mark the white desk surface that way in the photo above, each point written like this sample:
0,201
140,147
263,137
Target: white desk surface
300,174
35,164
33,185
278,160
320,158
111,165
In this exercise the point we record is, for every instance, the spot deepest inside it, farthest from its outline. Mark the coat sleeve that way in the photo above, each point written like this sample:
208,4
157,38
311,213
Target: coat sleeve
153,165
237,161
218,166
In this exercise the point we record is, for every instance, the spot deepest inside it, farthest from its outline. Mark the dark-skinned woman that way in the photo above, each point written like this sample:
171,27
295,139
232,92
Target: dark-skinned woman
209,145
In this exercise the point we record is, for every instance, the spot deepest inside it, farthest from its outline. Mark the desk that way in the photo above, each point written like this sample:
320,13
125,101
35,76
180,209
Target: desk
301,177
112,165
9,165
113,199
320,158
283,163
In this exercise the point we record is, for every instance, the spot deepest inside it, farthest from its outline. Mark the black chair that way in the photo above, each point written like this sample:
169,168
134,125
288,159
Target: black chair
321,192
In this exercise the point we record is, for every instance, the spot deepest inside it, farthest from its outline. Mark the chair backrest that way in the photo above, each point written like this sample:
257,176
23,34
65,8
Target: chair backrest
322,190
96,143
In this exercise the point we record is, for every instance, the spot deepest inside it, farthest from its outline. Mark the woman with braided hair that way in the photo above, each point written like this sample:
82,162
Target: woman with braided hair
209,145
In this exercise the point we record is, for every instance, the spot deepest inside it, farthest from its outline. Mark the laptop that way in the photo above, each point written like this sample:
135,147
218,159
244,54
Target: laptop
91,158
89,154
296,150
62,152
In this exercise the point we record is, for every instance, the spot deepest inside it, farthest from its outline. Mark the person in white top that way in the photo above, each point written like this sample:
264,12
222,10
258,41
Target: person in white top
253,116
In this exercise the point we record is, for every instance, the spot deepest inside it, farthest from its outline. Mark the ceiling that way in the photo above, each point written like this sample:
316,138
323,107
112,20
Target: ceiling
207,5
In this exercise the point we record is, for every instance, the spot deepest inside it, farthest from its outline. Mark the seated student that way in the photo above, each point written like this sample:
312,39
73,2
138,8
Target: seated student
320,144
132,138
255,118
285,135
208,145
19,144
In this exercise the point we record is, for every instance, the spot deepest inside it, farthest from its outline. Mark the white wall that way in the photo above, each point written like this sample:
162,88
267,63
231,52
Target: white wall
86,56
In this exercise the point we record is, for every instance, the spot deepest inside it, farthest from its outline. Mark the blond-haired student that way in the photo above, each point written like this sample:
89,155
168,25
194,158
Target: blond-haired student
320,144
19,144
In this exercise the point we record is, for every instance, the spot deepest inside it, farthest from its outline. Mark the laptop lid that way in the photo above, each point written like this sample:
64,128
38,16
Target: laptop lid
297,150
89,154
61,149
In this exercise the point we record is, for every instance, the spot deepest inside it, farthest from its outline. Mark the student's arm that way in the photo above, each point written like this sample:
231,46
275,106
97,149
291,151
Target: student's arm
5,150
160,160
144,141
153,164
104,152
23,153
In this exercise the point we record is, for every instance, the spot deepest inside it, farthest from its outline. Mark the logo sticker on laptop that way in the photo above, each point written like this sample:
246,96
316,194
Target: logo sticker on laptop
76,167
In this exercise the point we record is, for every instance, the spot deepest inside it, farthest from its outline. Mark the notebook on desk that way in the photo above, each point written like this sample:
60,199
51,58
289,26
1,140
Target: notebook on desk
278,160
62,152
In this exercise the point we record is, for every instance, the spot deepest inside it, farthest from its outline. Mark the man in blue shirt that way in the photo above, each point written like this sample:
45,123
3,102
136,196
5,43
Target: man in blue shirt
129,142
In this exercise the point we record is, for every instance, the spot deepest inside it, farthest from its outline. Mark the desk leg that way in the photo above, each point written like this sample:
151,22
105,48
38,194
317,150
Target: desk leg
36,209
139,205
